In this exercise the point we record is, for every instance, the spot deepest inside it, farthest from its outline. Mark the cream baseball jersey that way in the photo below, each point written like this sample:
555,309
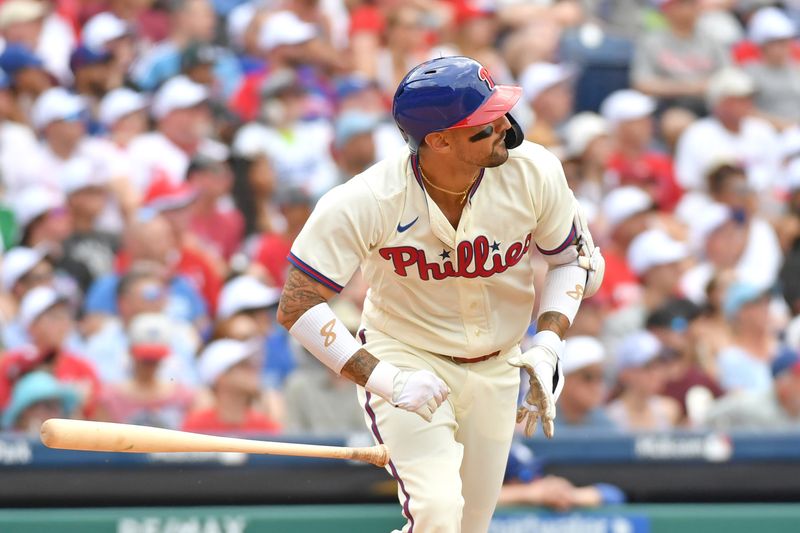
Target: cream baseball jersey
462,292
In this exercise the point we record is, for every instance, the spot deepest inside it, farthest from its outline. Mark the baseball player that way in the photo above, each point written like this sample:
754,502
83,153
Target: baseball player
443,233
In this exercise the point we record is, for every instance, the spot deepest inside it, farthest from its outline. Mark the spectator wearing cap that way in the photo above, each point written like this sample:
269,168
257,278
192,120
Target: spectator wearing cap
587,147
107,34
678,326
191,21
36,397
197,260
87,192
139,291
362,95
629,114
26,71
214,220
628,211
183,119
776,74
547,89
731,131
745,364
776,408
295,206
581,401
22,270
150,240
47,318
91,71
231,370
18,143
657,260
146,398
642,374
354,143
297,149
674,64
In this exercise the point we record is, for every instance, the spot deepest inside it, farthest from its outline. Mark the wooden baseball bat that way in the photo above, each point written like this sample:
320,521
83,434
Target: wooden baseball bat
86,435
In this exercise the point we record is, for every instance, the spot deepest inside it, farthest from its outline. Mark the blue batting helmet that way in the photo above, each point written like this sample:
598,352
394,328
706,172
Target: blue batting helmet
452,92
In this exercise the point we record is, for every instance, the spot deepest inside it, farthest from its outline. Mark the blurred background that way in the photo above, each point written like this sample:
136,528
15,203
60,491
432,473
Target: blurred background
158,157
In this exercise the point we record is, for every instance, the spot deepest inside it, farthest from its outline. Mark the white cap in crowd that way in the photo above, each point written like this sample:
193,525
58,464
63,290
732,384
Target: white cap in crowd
149,336
54,104
705,221
81,173
178,93
654,248
102,29
538,77
580,352
793,174
624,202
37,301
625,105
243,293
284,28
638,349
770,24
19,11
581,130
222,354
728,81
33,202
17,262
119,103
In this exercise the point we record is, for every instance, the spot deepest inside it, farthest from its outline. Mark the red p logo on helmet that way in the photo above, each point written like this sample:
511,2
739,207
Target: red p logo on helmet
483,74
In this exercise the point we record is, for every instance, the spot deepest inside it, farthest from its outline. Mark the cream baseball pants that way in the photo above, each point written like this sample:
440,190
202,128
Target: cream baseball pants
449,471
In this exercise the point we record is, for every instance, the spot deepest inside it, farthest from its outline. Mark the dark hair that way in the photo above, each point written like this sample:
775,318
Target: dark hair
720,174
131,278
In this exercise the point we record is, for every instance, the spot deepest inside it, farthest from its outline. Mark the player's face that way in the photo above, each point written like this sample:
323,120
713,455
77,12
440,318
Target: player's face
484,145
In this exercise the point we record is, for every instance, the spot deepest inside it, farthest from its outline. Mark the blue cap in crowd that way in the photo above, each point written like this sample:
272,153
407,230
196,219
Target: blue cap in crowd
84,57
352,123
740,294
787,361
16,57
353,85
5,81
37,387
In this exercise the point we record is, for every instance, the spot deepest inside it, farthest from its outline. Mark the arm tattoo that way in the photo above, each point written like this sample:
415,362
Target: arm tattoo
553,321
299,295
359,367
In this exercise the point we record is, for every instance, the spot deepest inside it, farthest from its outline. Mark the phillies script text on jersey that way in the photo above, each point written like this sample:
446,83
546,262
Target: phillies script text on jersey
471,259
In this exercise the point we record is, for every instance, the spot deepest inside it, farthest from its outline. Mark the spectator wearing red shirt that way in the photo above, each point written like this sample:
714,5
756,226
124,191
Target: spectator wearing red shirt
232,371
214,221
47,318
629,114
295,207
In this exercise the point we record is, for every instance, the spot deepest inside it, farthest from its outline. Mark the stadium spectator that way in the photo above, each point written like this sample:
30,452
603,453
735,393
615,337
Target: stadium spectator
547,88
145,398
213,222
776,74
28,77
675,324
23,269
641,379
91,72
587,147
141,290
776,408
230,369
674,64
107,34
47,319
354,143
729,133
581,401
634,161
745,364
36,397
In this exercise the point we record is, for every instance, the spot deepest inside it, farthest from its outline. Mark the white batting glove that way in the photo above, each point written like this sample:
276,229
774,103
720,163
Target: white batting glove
418,391
546,382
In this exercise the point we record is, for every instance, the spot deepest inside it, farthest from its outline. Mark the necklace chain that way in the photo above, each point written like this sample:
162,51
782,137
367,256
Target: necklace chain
463,193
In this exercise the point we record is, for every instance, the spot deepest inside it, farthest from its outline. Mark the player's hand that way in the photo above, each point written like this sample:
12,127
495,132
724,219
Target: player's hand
546,381
419,391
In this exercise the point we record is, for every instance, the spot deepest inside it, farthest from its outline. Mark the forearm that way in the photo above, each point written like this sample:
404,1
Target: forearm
553,321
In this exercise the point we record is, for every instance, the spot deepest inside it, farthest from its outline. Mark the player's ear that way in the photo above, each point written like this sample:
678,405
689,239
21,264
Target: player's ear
438,141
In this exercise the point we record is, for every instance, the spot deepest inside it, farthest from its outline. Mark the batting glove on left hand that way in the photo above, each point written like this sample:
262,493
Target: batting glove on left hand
546,382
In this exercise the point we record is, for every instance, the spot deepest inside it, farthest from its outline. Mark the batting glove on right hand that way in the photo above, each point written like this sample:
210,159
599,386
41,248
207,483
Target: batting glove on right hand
546,382
418,391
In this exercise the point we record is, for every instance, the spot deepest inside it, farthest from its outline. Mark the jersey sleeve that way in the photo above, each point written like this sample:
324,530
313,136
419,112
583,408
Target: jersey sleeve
555,203
344,226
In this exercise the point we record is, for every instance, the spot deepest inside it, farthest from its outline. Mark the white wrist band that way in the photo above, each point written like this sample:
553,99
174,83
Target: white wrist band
324,335
381,381
563,290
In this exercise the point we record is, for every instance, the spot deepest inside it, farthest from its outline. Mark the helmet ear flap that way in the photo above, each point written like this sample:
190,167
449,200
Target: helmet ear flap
515,135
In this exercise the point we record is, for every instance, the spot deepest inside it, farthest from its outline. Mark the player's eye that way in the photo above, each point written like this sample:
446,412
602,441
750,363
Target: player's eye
483,134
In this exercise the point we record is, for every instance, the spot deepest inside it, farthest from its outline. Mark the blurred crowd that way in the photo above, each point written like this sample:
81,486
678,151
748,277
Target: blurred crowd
158,157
